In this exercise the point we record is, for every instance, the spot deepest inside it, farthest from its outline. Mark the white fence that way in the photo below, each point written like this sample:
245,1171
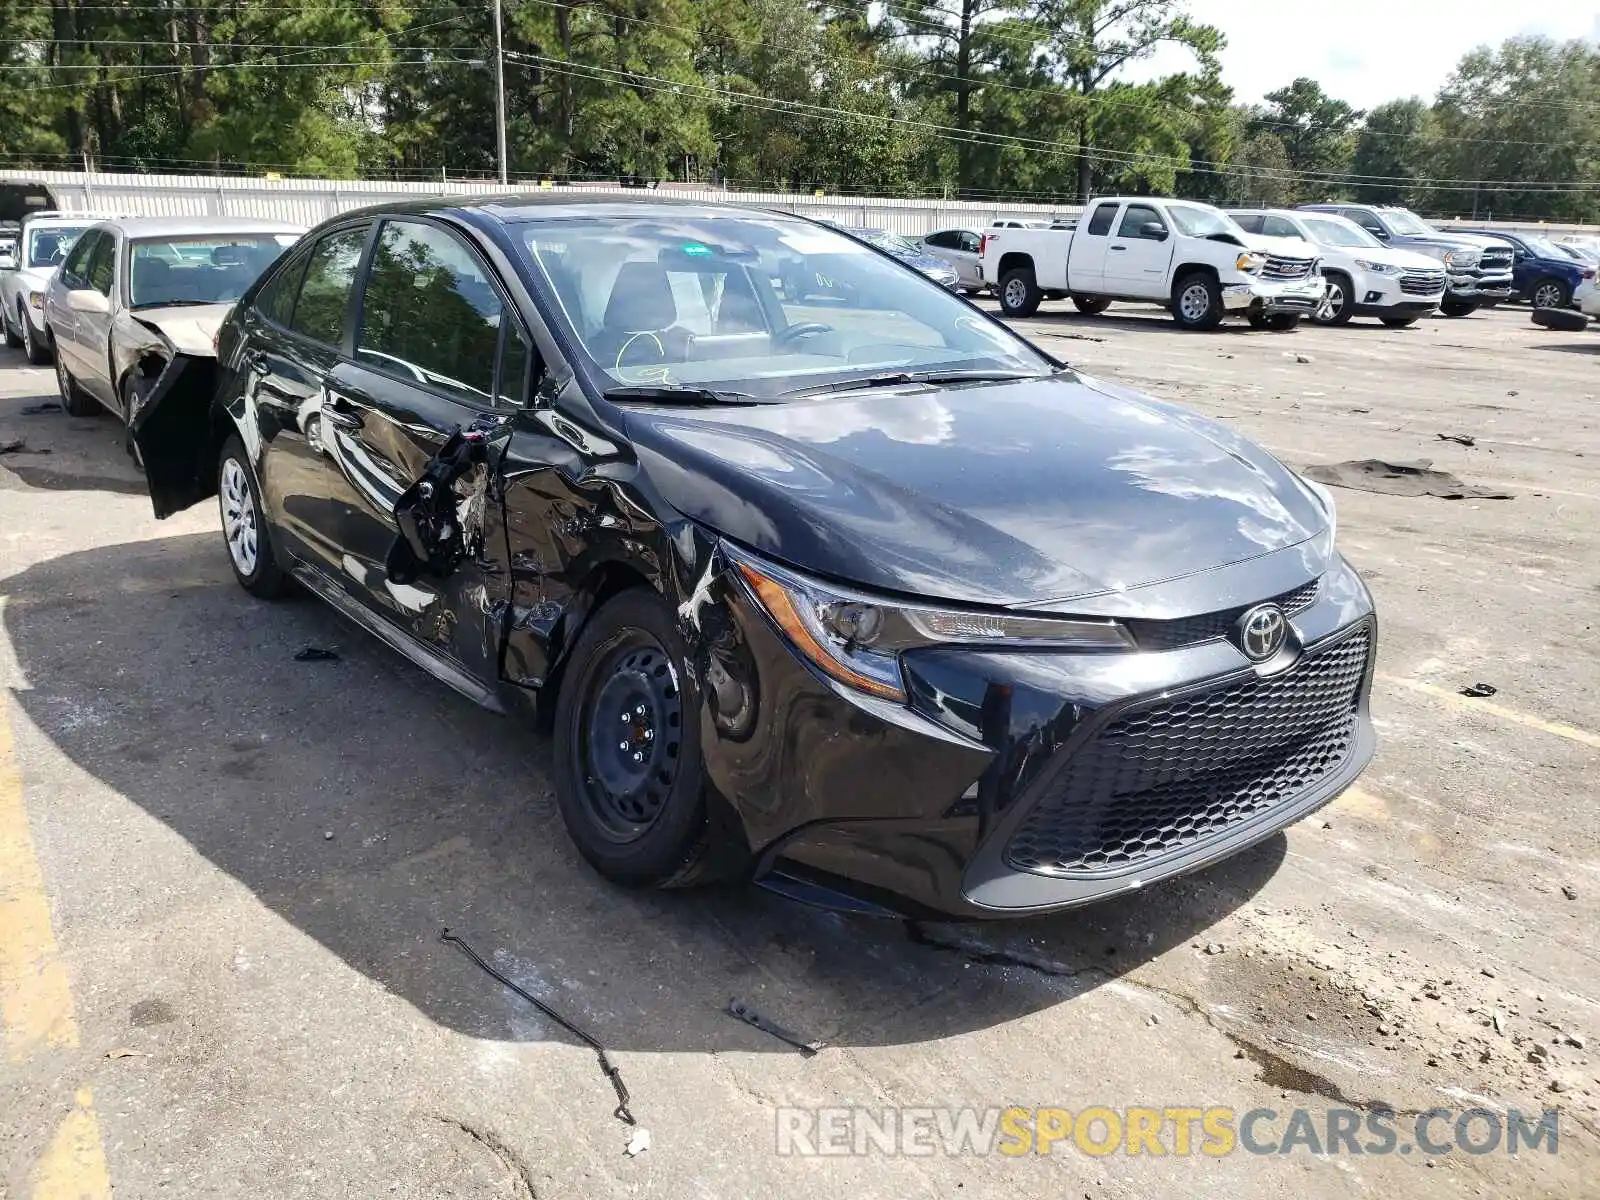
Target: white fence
310,201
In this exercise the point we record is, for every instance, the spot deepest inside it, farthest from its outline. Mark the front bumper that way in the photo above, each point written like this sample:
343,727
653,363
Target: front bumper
1482,288
1386,296
973,800
1303,296
1587,298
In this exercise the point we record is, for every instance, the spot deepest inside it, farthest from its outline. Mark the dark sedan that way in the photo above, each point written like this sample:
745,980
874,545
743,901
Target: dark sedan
850,591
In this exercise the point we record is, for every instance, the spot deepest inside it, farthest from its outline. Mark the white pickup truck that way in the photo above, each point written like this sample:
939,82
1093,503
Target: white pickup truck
1187,256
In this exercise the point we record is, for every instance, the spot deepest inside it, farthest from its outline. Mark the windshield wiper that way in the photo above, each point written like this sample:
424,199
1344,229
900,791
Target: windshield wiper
176,303
676,393
890,378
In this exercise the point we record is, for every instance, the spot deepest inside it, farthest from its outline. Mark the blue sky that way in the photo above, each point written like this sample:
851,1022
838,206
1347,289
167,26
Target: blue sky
1368,51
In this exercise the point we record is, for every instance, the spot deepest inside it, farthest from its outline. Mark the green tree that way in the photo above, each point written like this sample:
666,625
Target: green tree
1317,132
1394,151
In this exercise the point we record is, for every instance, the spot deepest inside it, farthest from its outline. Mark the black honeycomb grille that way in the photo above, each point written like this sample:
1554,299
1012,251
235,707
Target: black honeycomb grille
1208,627
1165,777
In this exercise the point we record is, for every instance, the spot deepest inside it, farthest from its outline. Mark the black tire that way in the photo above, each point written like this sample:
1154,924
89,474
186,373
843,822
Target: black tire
1283,322
1019,293
1091,306
1340,306
1458,308
74,399
1399,322
640,822
1563,319
1549,292
260,573
1187,309
972,291
13,335
1256,320
36,348
130,387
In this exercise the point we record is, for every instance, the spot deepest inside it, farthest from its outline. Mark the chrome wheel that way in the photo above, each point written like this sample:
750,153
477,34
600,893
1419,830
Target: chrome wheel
1016,293
1194,302
1333,305
1547,295
239,517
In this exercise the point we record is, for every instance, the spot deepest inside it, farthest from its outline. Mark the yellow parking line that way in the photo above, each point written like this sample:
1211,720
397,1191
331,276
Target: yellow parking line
73,1166
35,1003
1473,704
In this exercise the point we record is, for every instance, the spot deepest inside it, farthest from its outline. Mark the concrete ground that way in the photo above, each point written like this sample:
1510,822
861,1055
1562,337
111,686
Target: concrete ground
223,872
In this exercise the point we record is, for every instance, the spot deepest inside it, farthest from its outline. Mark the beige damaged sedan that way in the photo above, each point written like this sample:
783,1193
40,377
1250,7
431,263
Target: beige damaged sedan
137,303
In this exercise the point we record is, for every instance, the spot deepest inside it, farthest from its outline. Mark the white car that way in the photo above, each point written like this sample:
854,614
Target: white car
959,248
138,301
1190,257
1365,277
42,242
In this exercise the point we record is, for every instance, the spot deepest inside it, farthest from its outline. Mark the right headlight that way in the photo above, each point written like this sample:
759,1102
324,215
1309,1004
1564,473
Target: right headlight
1377,268
857,639
1250,262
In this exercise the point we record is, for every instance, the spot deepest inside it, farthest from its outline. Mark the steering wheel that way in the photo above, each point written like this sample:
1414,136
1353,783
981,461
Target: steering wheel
805,329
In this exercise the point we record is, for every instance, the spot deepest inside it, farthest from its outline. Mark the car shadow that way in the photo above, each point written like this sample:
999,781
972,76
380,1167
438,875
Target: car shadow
370,807
1568,347
62,453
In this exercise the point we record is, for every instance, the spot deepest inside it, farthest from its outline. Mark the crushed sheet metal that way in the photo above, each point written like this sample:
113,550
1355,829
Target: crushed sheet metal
738,1008
621,1112
1400,479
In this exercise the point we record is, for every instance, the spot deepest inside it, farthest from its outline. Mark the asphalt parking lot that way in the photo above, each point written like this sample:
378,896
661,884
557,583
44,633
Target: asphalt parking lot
223,871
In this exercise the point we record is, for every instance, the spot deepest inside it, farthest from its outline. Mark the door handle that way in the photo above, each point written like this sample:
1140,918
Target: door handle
337,410
1119,247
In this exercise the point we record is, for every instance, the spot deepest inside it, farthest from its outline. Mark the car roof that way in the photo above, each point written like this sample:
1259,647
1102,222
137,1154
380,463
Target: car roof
519,208
159,227
74,219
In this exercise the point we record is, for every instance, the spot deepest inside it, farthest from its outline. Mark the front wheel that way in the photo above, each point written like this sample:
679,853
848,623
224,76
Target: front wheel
244,525
1019,293
1550,293
13,336
1458,308
1091,306
1197,301
34,346
1399,322
628,773
74,399
1338,305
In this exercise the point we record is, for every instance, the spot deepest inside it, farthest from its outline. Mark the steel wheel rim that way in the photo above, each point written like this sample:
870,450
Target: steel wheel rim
1195,302
630,737
1549,296
1016,293
1334,305
239,517
27,333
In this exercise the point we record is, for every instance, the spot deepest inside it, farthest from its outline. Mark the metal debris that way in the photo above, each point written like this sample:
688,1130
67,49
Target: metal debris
747,1014
1570,892
20,446
1479,690
1400,479
621,1112
1460,439
638,1143
316,654
33,410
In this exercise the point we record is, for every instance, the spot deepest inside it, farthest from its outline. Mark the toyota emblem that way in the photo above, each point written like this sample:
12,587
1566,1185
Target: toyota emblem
1261,632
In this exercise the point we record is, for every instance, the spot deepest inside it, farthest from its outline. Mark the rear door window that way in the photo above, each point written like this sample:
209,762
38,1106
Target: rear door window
1100,223
275,300
1278,227
1249,222
324,300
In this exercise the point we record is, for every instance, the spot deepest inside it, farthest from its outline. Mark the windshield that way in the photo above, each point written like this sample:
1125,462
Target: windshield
1542,248
1338,233
212,269
756,304
1406,223
892,242
48,246
1193,221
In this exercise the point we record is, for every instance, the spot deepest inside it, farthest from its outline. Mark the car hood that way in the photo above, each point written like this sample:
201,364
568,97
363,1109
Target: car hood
1028,492
1451,241
35,279
1408,260
923,261
1287,247
190,328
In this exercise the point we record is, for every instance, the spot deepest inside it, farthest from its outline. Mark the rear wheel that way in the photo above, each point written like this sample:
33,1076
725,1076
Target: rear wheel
1091,306
1019,293
1338,306
1550,293
74,399
629,779
244,525
1399,322
1458,308
1197,301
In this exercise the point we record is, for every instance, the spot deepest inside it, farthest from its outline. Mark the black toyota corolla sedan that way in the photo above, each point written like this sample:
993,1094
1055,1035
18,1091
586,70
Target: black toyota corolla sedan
837,584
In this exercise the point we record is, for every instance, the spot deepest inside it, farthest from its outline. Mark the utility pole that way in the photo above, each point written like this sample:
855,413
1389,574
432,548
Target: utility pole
499,94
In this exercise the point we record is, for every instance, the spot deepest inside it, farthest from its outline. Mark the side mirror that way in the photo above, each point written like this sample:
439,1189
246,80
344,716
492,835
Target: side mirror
1153,231
1379,232
87,300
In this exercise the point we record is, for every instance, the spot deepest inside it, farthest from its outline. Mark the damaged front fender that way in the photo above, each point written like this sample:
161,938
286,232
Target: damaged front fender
172,422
